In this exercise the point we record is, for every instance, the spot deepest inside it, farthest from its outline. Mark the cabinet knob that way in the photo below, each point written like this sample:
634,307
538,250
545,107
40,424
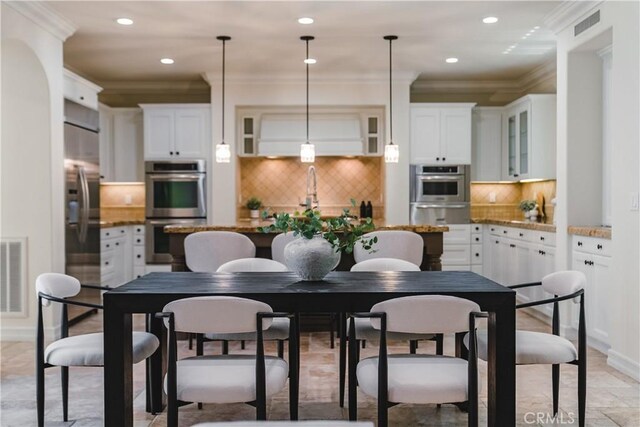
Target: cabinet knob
579,243
477,239
599,246
108,246
107,234
117,243
493,229
82,98
444,158
512,245
477,254
177,153
122,231
504,231
139,256
497,242
437,158
521,234
171,153
106,263
541,238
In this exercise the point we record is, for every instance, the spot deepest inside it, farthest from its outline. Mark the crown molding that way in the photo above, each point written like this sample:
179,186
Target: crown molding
398,77
568,12
45,17
144,87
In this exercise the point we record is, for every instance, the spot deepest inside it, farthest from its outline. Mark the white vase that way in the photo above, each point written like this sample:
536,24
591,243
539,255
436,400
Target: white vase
533,214
311,259
254,213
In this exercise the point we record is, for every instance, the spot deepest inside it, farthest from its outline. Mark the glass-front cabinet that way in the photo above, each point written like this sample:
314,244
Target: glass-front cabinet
518,140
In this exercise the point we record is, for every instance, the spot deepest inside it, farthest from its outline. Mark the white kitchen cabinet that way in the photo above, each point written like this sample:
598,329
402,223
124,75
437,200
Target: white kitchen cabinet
529,138
176,131
441,134
80,90
121,254
486,144
121,144
596,268
456,253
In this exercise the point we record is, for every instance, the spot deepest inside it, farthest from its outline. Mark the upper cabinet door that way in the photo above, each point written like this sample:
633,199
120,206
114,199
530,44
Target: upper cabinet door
159,134
191,131
511,149
425,135
455,136
523,142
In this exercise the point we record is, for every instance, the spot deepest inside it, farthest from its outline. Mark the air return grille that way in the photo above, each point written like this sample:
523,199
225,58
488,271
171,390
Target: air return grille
587,23
13,276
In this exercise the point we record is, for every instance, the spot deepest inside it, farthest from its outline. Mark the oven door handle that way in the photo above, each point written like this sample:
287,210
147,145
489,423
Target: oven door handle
441,206
440,177
174,177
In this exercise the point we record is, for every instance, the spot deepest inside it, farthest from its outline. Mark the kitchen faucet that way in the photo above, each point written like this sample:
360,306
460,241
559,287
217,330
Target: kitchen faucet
312,192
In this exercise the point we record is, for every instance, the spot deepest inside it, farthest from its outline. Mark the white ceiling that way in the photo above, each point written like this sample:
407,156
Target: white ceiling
266,38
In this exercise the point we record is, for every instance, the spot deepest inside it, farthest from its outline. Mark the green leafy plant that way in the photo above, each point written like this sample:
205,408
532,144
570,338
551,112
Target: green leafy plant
254,204
527,205
341,232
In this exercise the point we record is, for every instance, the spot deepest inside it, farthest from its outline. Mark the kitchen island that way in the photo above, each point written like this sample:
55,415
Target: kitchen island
431,235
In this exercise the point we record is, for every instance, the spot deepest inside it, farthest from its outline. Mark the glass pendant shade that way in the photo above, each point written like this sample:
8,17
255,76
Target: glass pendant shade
307,153
223,153
391,153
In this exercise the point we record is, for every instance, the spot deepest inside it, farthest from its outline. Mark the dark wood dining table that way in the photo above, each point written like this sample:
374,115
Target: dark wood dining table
340,292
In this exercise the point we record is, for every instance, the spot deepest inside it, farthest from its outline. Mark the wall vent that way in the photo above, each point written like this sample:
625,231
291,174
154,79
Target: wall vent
587,23
13,276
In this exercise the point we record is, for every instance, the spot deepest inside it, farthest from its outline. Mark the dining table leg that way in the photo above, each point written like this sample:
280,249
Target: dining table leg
118,366
157,366
502,364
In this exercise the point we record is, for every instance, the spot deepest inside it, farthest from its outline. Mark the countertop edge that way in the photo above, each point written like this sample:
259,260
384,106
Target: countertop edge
120,223
527,225
590,231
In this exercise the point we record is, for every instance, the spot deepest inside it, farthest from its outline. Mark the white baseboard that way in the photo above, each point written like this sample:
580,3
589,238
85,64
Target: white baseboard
623,364
26,333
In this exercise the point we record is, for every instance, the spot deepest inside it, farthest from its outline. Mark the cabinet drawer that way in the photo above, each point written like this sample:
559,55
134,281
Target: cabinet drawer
79,93
544,238
458,234
521,234
476,254
495,230
112,232
138,240
138,230
138,255
592,245
456,255
476,239
107,263
476,228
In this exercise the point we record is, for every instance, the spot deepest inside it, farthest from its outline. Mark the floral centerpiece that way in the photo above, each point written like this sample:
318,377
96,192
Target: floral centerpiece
320,241
530,209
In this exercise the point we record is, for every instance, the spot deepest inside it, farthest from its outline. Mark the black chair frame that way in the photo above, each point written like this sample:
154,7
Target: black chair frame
261,394
383,401
64,333
581,362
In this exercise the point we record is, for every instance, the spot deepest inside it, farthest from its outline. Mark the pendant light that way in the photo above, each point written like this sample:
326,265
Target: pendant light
307,150
391,151
223,150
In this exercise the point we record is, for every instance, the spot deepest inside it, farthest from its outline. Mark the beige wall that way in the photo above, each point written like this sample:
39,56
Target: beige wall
114,198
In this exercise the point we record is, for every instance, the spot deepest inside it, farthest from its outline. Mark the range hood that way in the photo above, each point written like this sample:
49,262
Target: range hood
332,134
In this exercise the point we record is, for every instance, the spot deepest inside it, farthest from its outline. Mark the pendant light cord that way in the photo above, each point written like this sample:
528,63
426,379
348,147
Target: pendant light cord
390,94
307,64
223,70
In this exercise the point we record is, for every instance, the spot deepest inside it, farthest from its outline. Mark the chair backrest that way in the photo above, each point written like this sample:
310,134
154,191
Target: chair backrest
205,251
399,244
217,314
564,282
277,246
385,264
288,424
57,285
424,314
251,264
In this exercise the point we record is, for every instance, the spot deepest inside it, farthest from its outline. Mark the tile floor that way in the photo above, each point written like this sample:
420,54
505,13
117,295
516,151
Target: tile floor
613,399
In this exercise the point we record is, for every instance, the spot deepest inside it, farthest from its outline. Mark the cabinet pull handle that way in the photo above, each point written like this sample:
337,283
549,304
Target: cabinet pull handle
590,262
122,231
516,175
599,246
521,235
544,253
579,243
586,262
541,238
512,245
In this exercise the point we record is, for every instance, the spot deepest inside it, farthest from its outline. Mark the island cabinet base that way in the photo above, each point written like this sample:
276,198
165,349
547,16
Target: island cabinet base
430,262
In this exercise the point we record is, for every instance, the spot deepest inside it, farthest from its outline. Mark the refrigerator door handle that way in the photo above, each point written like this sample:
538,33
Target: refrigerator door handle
83,217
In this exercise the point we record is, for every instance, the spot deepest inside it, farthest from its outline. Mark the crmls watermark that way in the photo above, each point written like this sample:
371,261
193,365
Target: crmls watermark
545,418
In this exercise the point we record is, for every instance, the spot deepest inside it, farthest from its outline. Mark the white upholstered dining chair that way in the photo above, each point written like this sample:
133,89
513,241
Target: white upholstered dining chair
417,378
315,423
405,245
540,348
252,264
206,251
225,378
80,350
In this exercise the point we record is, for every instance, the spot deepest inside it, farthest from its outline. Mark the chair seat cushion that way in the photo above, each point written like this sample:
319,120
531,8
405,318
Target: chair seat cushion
417,378
533,348
87,350
364,331
279,330
226,379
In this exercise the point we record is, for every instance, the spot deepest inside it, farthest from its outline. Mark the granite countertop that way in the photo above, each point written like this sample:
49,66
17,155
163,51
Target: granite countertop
529,225
590,231
121,223
249,226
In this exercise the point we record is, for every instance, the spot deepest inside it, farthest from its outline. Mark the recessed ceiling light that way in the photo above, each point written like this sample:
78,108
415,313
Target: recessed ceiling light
490,20
506,52
124,21
537,27
524,37
167,61
305,21
512,46
451,60
310,61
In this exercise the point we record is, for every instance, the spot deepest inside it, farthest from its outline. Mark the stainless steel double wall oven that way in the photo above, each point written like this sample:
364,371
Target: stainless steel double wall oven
175,194
440,194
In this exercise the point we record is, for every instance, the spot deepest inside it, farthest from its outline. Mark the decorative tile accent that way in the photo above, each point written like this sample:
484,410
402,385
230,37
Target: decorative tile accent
508,198
281,183
112,202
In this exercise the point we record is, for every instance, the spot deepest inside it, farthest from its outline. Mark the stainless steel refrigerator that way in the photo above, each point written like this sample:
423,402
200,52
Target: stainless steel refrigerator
82,200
